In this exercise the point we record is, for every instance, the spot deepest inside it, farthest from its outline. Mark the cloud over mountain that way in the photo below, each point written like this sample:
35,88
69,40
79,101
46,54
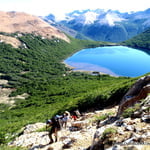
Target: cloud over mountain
106,25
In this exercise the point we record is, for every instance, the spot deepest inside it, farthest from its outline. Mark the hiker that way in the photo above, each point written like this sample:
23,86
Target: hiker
77,113
74,116
65,119
55,127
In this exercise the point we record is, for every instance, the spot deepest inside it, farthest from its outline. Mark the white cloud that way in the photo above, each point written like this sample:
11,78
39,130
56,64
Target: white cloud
110,19
59,7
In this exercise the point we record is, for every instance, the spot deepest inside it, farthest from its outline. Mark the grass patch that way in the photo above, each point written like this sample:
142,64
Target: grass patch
5,147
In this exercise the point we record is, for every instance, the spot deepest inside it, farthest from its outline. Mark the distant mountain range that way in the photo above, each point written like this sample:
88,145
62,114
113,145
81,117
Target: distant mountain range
102,25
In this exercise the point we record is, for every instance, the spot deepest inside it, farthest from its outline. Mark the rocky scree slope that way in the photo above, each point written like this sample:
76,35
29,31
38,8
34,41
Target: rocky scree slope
130,131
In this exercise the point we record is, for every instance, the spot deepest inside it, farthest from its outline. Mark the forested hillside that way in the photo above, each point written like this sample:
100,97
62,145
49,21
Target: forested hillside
36,69
140,41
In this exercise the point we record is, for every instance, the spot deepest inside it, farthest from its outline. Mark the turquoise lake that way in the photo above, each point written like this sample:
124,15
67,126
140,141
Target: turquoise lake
113,60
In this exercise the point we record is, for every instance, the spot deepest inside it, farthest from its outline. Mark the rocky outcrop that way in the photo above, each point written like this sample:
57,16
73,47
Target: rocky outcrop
10,40
130,133
139,91
122,134
32,139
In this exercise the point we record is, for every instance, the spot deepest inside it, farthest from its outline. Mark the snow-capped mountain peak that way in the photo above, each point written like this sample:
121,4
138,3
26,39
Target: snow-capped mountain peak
107,25
85,18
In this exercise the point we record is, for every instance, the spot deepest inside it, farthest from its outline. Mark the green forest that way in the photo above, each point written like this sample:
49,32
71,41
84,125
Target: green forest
141,41
37,70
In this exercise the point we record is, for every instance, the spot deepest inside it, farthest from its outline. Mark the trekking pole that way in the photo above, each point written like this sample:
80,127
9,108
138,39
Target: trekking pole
46,122
46,116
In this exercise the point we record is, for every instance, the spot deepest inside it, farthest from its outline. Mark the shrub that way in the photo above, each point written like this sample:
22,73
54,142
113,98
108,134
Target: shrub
102,117
129,111
2,138
108,131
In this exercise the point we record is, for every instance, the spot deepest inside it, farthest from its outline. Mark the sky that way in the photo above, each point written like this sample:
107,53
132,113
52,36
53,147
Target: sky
60,7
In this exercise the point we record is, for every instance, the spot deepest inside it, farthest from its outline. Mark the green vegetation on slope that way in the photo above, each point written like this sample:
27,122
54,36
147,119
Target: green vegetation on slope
140,41
38,71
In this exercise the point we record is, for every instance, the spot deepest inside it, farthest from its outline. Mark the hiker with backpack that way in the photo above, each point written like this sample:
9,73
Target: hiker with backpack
54,123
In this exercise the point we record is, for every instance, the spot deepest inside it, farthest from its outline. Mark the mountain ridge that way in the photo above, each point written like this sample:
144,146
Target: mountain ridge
102,25
12,22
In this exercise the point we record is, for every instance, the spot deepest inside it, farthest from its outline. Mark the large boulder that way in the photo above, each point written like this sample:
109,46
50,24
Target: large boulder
137,92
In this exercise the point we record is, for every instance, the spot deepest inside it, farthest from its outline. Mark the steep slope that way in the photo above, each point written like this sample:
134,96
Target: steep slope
12,22
45,87
96,130
34,84
140,41
112,26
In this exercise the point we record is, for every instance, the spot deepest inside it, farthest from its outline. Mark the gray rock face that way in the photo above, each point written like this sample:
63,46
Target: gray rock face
130,133
139,91
33,127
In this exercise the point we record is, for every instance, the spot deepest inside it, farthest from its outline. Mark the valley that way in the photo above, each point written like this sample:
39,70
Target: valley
35,85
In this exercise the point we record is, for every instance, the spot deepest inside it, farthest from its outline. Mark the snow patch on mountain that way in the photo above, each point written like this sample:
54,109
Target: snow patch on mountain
90,17
110,19
85,18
